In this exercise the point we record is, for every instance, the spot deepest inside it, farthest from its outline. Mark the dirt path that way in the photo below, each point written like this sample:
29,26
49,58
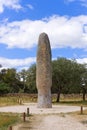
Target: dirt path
52,122
34,110
55,118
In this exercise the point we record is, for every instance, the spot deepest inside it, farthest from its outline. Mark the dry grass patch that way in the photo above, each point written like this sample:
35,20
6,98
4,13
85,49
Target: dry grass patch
82,118
15,100
7,119
6,101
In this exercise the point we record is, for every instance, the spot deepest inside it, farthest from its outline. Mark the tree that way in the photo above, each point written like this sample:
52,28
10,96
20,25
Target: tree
9,76
31,79
4,88
66,76
61,73
76,71
23,76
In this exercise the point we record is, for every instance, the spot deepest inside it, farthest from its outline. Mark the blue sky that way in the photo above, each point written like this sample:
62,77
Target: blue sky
22,21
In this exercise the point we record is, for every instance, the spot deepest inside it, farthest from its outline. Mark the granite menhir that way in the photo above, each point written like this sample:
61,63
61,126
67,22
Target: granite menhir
44,72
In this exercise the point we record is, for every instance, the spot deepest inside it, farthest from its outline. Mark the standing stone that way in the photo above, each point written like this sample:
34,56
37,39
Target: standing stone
44,72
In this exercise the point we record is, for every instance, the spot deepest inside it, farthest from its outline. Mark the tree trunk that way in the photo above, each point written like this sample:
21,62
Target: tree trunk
84,93
58,95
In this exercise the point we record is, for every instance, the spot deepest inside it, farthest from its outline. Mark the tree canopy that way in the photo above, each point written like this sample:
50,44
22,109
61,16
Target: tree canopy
68,76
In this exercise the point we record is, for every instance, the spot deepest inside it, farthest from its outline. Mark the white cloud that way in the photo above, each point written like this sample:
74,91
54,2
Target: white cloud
14,4
62,32
82,60
30,6
15,63
26,63
82,2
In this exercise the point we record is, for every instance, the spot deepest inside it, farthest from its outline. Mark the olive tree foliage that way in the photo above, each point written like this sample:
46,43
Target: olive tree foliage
9,80
4,88
22,77
31,79
28,79
66,76
12,81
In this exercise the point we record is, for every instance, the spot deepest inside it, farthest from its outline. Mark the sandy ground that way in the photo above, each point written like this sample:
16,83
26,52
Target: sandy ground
55,118
34,110
51,122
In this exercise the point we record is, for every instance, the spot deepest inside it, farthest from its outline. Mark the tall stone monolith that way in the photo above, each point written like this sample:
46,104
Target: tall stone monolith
44,72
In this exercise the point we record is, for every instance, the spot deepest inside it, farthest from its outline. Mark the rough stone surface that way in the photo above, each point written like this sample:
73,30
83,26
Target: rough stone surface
44,72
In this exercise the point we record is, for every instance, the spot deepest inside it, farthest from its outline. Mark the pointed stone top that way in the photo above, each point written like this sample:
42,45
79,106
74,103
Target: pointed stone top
43,38
42,35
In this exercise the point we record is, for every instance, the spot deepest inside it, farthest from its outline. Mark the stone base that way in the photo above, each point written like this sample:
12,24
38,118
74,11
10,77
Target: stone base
44,101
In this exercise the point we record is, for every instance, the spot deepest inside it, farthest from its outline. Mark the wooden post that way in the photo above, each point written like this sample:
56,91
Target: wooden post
24,116
10,128
81,109
27,111
20,102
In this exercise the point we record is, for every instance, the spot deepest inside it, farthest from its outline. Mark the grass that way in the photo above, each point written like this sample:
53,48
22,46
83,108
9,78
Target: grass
82,118
71,100
15,100
5,101
76,103
8,119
